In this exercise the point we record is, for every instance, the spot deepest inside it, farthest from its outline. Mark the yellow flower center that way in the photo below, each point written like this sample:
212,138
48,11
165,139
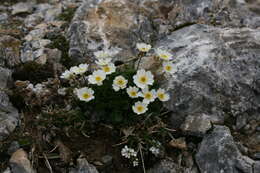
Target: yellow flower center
168,68
148,96
161,96
144,49
86,95
98,78
133,93
164,56
120,82
143,79
106,69
140,108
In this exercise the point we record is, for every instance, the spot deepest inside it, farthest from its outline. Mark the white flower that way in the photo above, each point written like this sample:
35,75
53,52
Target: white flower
142,78
133,92
75,69
128,152
107,53
168,67
149,96
85,94
97,77
67,74
142,47
82,68
135,162
119,83
109,68
101,54
103,61
163,54
162,95
154,150
125,152
140,108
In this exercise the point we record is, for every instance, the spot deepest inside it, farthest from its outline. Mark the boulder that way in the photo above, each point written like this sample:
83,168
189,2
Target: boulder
216,72
20,163
219,153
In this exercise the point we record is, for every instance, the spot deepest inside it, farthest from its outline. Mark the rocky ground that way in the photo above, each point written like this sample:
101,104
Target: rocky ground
215,89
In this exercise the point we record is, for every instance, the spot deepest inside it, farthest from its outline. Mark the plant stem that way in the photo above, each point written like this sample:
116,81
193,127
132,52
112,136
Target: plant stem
141,153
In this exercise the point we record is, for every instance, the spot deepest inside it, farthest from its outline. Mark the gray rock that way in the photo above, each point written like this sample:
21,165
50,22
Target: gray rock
20,163
256,167
107,159
196,125
5,77
9,116
3,17
14,146
219,153
52,13
257,156
166,166
22,7
99,24
7,171
217,72
9,51
84,167
33,19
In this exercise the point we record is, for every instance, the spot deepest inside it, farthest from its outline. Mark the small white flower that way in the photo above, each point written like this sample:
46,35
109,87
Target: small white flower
140,108
135,162
101,54
109,68
163,54
107,53
75,69
103,61
97,77
82,68
133,92
143,78
149,96
142,47
125,152
67,75
85,94
162,95
154,150
168,67
119,83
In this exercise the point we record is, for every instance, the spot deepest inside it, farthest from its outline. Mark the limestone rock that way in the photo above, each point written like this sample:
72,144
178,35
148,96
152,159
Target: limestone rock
196,125
84,167
219,153
22,7
217,72
20,163
9,116
9,51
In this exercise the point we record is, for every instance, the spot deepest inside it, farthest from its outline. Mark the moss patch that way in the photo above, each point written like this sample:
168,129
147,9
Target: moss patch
33,72
61,43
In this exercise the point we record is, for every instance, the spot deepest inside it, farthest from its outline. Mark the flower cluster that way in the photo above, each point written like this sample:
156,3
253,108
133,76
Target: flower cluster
75,70
155,149
130,153
142,79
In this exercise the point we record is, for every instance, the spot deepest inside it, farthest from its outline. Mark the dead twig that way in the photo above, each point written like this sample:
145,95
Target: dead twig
47,163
